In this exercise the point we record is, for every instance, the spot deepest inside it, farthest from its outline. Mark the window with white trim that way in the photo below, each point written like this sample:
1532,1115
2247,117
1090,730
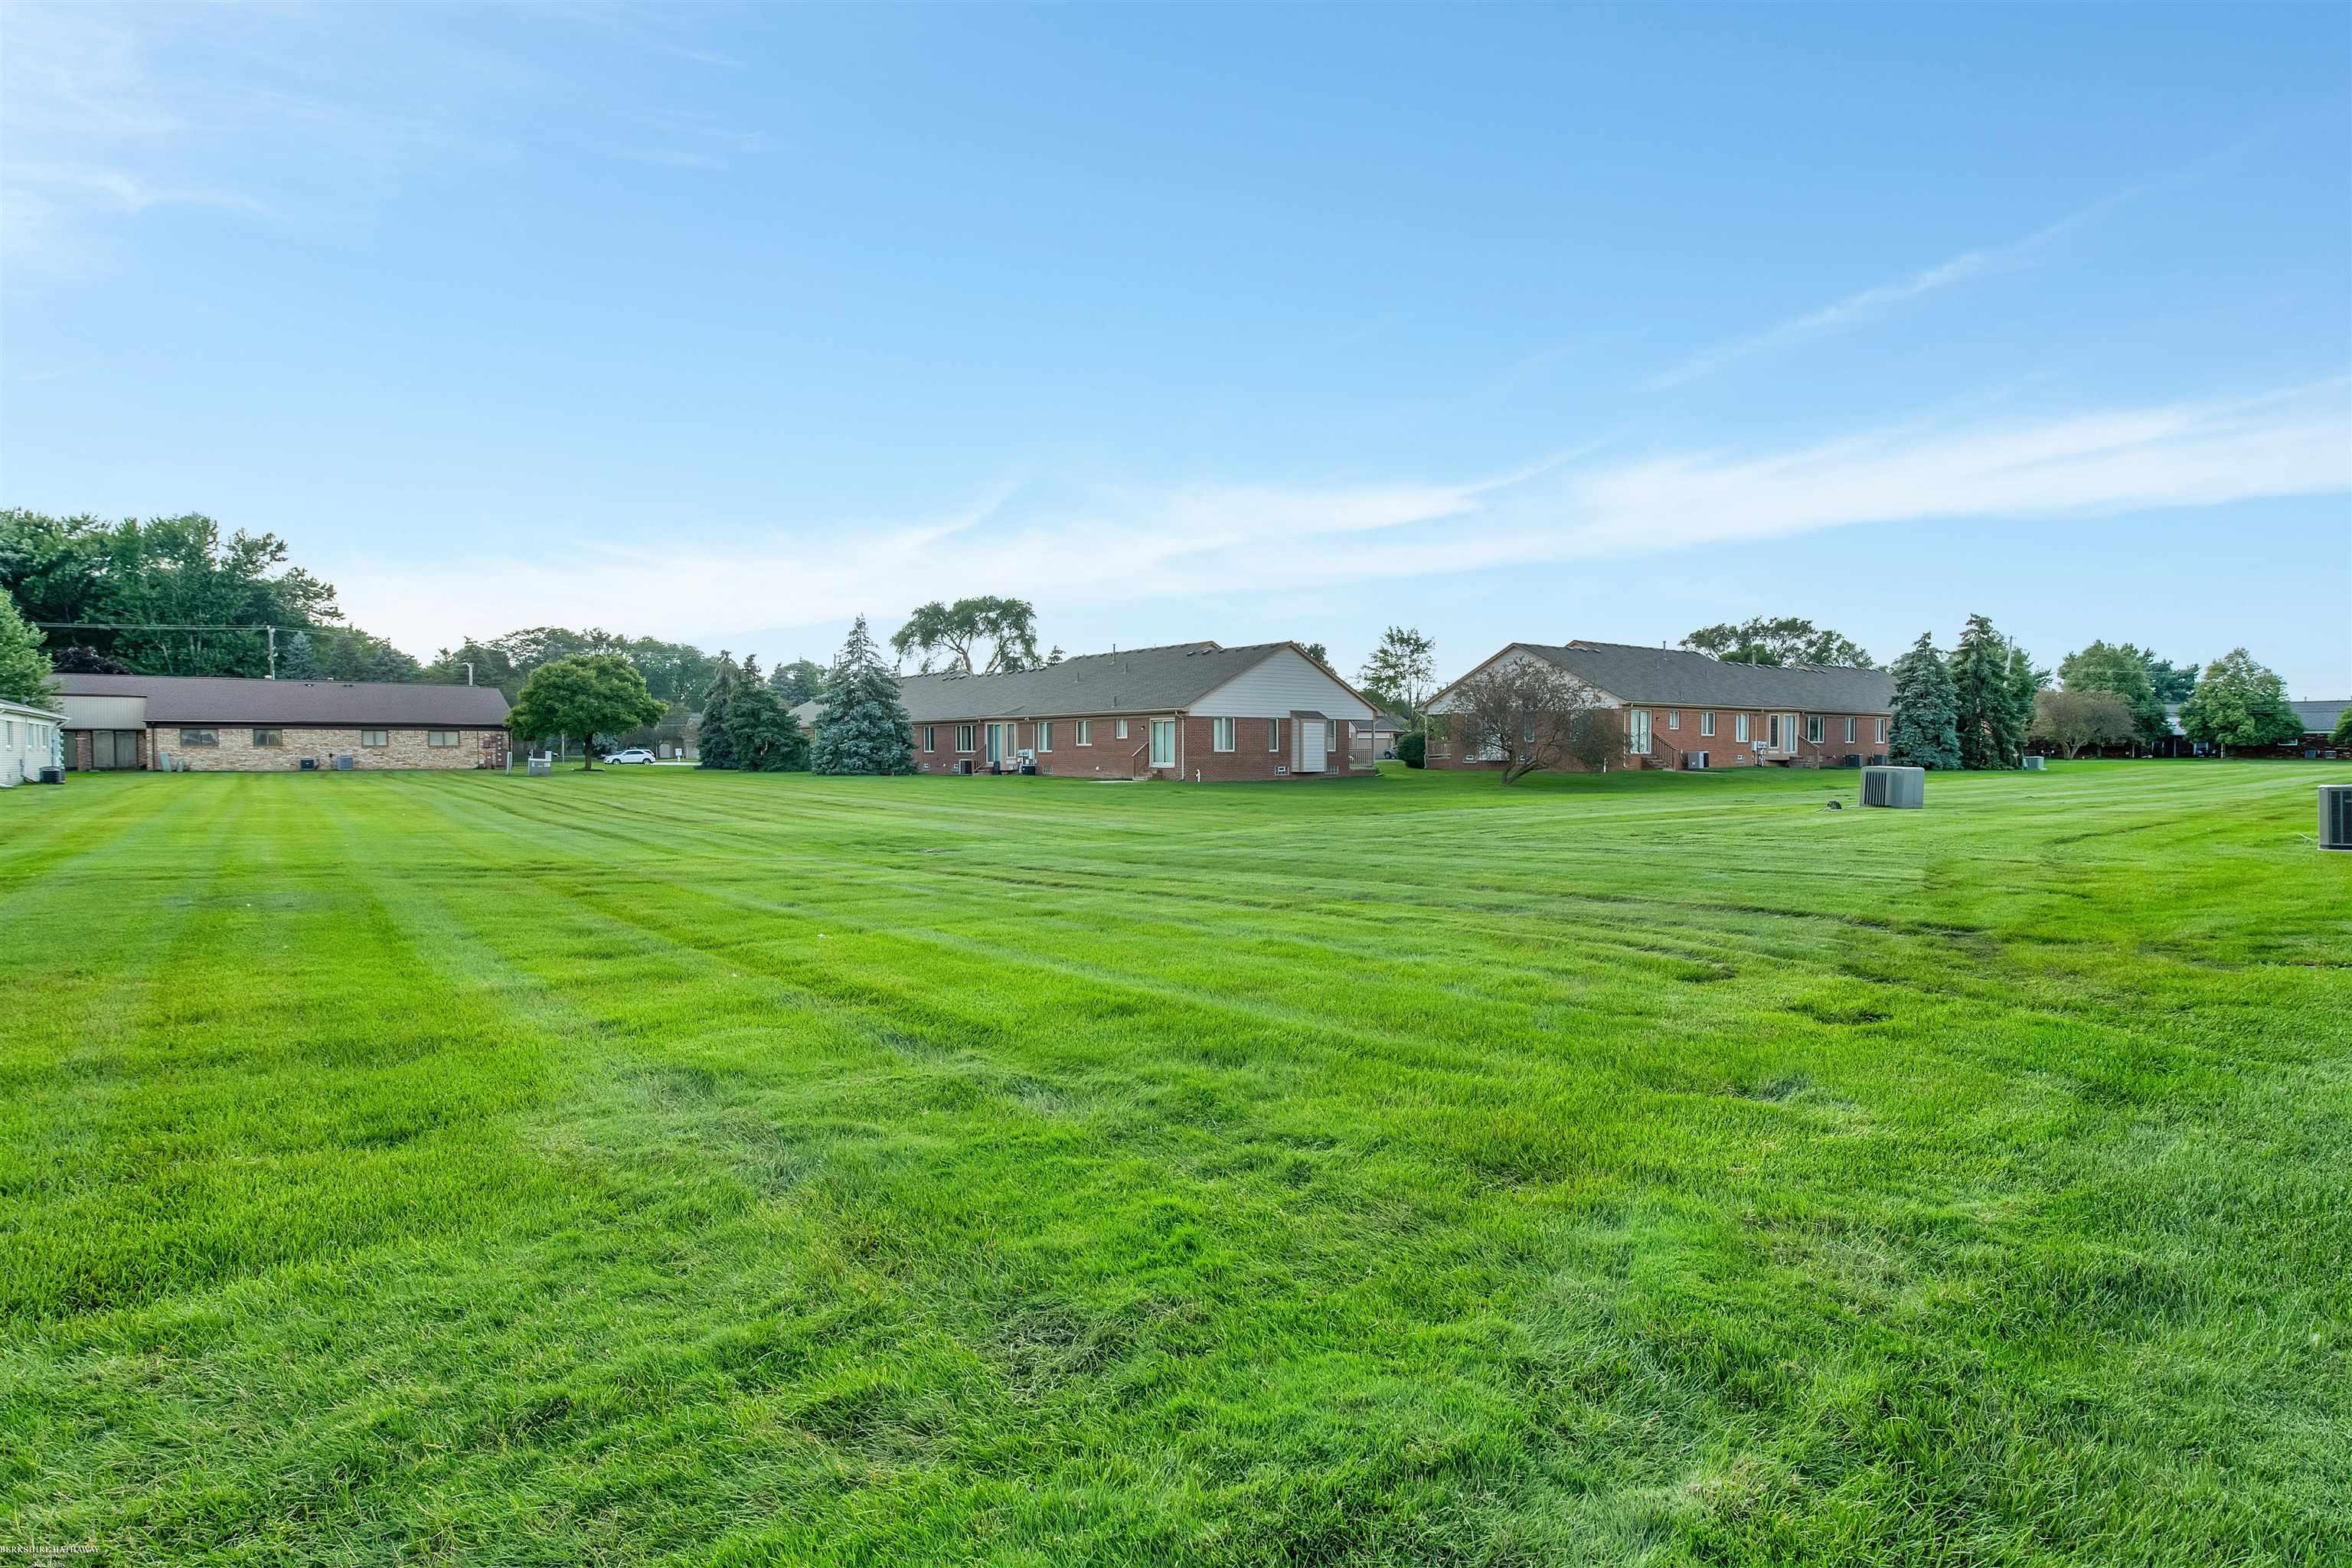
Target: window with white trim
1882,732
930,737
1274,735
1706,724
1849,729
1163,742
965,736
1739,726
1673,718
1637,731
1331,737
1122,729
1221,734
1813,729
1044,734
1086,736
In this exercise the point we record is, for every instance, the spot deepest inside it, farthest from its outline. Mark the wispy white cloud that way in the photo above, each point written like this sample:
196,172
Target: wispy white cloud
1874,301
1136,544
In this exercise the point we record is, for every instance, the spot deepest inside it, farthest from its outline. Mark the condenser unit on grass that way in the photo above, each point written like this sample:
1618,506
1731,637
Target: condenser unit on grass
2336,816
1904,788
2037,763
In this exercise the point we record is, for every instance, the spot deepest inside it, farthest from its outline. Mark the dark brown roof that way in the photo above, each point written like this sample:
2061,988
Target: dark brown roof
229,700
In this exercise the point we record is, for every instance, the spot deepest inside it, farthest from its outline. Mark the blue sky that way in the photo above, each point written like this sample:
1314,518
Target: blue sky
1239,323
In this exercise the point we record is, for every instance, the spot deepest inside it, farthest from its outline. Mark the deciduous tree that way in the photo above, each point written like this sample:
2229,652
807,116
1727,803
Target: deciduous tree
951,636
1401,670
863,727
798,681
2122,669
1924,731
2239,703
588,695
1784,641
2074,719
1529,714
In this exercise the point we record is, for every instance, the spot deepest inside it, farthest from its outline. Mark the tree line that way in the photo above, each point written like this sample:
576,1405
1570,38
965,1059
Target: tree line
1982,704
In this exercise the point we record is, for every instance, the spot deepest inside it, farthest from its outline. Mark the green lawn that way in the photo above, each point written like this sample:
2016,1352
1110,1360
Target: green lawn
664,1167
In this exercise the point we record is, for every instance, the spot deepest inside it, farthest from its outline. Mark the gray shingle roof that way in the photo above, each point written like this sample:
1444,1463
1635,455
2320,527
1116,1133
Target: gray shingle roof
229,700
2319,718
1135,680
1665,675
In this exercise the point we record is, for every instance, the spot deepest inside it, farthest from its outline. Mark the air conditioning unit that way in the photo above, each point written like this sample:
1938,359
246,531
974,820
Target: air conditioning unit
2036,763
1694,761
1903,788
2336,816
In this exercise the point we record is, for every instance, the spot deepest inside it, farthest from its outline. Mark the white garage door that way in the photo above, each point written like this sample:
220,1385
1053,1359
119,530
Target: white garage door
1310,745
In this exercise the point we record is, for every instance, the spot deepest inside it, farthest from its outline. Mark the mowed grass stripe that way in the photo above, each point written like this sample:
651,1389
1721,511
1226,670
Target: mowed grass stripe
1429,1172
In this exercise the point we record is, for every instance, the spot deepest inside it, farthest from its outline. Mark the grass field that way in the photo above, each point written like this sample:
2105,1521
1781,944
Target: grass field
656,1166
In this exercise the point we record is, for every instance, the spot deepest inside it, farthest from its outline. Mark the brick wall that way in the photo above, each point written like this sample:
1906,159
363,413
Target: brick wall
1669,745
403,747
1250,760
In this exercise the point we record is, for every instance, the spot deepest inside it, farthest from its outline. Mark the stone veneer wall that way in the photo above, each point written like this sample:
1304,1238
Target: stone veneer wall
403,747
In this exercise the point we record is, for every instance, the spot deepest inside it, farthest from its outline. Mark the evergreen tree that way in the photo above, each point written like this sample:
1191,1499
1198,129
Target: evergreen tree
1925,710
298,661
2342,734
716,747
2240,703
863,727
23,663
761,731
2025,684
1992,696
2122,669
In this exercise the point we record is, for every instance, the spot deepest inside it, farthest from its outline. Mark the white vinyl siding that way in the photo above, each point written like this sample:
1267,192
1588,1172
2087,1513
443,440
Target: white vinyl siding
1284,681
1221,734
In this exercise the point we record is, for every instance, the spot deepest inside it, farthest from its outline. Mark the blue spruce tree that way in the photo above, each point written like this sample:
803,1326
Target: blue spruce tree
715,743
1925,712
864,727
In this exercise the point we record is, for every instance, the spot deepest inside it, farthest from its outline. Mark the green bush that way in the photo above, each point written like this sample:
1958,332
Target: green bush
1413,750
